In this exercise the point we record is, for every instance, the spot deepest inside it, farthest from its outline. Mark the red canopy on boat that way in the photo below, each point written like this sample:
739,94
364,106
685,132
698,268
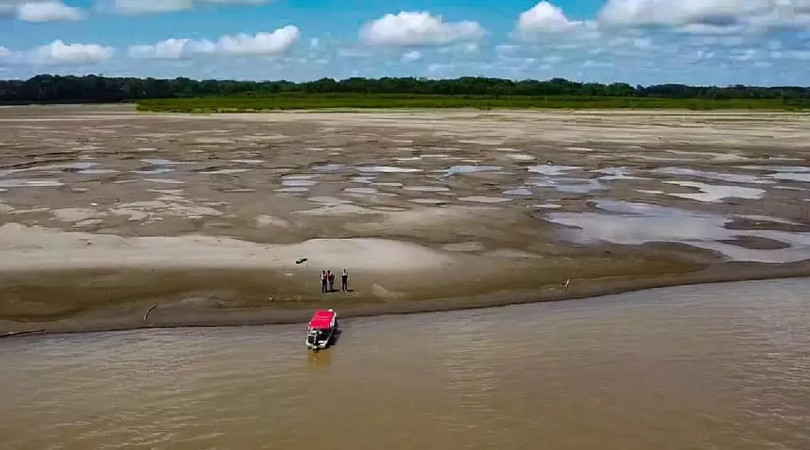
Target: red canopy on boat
322,319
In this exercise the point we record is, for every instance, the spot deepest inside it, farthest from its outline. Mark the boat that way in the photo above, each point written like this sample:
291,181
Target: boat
322,329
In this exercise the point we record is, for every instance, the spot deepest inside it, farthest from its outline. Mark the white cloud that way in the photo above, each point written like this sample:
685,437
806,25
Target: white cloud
135,7
411,56
708,16
274,43
314,43
50,11
4,52
260,44
418,28
58,52
545,18
168,49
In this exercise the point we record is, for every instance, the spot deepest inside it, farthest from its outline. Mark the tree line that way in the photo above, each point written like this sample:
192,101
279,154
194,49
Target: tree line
92,88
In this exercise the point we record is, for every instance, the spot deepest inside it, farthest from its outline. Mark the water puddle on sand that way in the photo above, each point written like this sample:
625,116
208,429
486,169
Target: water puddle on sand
163,181
730,177
247,161
792,176
24,183
548,206
328,168
426,188
484,199
628,223
551,169
712,193
784,173
386,169
98,171
362,180
298,180
461,170
519,192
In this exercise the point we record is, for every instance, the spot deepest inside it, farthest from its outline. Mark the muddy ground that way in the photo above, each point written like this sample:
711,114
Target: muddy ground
105,212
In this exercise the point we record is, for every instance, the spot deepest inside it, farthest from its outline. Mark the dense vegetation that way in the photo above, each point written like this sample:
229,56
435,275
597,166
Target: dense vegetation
183,94
353,101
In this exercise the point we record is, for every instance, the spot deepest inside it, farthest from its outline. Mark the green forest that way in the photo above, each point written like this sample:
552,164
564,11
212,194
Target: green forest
187,95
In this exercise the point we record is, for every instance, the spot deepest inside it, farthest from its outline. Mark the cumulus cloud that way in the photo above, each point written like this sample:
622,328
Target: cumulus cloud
260,44
49,11
61,53
417,29
545,18
136,7
708,16
4,52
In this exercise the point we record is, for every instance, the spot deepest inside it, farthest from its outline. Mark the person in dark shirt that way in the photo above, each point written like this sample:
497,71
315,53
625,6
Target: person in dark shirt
344,281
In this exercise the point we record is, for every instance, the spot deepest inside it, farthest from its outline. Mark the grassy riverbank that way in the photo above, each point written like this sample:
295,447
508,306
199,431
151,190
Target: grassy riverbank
291,101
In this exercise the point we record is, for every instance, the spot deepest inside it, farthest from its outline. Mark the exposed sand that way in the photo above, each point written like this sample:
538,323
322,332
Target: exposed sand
105,212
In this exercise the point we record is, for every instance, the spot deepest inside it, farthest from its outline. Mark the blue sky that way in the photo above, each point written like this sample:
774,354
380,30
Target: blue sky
719,42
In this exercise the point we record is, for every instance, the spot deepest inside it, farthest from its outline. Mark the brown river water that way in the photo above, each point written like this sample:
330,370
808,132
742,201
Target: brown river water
722,366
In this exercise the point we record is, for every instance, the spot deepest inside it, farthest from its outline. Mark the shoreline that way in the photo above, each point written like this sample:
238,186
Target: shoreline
238,317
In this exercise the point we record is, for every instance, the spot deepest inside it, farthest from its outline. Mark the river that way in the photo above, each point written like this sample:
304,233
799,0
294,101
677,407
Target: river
702,367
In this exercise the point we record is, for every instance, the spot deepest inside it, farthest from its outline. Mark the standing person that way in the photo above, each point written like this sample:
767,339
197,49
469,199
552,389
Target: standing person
331,278
324,280
344,281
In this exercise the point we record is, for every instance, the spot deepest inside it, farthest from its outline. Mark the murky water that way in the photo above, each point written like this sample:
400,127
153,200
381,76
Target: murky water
708,367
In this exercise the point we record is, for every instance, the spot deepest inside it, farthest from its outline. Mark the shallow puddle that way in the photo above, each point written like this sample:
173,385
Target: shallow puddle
20,183
629,223
386,169
223,171
730,177
712,193
426,188
461,170
518,192
551,169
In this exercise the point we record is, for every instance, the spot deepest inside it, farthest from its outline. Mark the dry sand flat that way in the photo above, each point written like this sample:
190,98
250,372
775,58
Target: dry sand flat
105,212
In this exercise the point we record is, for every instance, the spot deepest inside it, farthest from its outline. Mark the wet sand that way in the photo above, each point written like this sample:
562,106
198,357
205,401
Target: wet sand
105,212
